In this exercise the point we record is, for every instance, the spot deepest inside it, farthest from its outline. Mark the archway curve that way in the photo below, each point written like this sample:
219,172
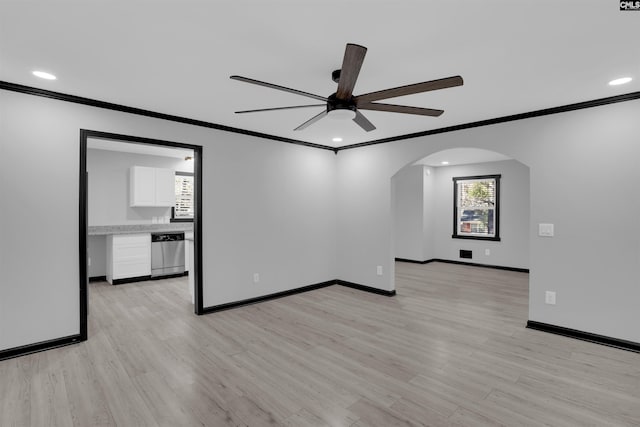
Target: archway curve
461,152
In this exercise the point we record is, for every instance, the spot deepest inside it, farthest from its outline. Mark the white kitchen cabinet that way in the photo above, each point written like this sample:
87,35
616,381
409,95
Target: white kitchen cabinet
128,256
151,187
165,187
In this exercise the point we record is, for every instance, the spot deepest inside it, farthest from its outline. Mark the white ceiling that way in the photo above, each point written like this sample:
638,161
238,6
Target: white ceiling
461,156
175,57
129,147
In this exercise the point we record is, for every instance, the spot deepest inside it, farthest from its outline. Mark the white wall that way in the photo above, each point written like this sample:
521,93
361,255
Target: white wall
583,178
409,214
424,214
299,216
430,205
268,207
97,251
108,186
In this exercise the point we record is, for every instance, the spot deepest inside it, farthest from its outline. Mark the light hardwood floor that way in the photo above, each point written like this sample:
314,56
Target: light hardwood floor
450,349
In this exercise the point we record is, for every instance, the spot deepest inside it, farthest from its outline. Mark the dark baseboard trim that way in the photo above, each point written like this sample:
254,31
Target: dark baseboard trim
250,301
39,346
130,280
413,261
585,336
144,278
365,288
169,276
474,264
471,264
119,281
230,305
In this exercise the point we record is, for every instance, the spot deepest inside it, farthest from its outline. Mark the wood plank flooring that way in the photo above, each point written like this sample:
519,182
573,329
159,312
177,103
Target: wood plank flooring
450,349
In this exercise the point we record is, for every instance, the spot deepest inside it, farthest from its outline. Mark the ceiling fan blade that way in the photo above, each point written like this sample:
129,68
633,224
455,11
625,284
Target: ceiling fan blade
409,89
351,64
278,87
279,108
312,120
363,122
405,109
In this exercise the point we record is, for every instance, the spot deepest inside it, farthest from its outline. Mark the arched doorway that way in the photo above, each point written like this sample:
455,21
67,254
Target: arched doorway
425,218
461,282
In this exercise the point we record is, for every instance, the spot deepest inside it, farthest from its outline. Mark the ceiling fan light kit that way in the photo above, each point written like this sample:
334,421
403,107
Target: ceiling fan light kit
342,114
343,105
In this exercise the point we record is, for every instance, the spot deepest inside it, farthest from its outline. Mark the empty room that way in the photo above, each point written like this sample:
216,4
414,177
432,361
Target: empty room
336,213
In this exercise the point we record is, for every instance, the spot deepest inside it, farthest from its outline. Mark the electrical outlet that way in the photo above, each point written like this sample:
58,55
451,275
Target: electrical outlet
545,230
89,261
550,297
256,277
487,252
379,270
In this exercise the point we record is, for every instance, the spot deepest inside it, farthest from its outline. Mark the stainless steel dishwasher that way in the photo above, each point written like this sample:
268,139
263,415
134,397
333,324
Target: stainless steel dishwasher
167,254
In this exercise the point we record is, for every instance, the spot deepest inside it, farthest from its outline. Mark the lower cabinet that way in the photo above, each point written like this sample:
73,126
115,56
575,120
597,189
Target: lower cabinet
128,256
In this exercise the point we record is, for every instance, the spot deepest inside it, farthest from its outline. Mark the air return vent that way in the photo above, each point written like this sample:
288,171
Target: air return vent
466,254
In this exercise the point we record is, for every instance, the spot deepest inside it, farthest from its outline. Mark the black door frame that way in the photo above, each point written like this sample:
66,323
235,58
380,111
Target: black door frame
83,211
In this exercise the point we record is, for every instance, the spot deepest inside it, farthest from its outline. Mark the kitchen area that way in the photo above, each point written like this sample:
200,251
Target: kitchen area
140,212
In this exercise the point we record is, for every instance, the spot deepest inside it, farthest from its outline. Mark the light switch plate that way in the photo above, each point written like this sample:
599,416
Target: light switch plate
545,230
550,297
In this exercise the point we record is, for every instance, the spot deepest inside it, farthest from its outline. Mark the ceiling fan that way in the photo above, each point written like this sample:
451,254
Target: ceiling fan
342,103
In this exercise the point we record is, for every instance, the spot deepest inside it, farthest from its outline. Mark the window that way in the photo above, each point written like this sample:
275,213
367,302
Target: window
183,210
476,204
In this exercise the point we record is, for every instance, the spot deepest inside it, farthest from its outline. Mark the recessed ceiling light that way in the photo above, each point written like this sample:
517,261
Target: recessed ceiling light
337,139
444,162
44,75
620,81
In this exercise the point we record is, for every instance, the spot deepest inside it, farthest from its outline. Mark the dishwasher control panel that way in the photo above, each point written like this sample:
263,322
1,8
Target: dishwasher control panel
166,237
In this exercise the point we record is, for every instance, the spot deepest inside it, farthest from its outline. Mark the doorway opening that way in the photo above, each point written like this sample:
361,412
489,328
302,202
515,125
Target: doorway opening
430,212
164,216
474,277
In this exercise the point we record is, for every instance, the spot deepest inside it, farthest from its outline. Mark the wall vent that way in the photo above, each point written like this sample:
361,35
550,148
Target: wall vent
466,254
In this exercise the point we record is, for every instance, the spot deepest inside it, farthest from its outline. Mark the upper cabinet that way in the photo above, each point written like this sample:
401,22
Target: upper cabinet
142,186
152,187
165,187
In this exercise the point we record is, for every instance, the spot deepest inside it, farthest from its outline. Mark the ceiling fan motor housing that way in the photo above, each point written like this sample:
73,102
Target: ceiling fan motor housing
334,103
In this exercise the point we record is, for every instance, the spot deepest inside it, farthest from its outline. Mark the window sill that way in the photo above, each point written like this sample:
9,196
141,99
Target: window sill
493,239
181,220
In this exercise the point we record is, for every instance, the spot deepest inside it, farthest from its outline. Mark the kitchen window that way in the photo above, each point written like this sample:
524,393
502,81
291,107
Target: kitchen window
476,209
184,207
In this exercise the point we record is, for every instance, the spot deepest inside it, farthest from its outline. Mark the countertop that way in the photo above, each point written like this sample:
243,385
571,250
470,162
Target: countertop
104,230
